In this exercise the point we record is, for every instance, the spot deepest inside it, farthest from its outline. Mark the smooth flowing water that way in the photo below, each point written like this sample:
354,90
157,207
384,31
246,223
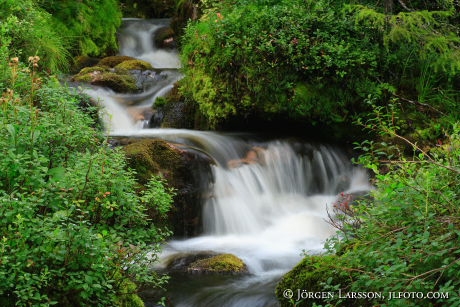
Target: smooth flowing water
270,199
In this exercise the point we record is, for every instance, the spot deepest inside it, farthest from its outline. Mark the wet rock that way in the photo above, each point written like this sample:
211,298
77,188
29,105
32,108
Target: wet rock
83,61
112,61
185,169
147,78
164,38
207,263
103,76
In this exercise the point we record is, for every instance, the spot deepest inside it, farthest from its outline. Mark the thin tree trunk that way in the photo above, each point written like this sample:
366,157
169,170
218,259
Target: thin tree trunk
388,7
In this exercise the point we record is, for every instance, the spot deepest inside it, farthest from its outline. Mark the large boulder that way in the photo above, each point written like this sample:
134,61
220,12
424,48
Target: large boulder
164,38
185,169
174,111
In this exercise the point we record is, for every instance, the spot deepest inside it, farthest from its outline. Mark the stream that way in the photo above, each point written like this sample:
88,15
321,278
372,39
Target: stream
268,211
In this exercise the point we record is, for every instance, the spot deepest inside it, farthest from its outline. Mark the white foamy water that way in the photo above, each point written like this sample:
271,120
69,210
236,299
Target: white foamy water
136,40
268,213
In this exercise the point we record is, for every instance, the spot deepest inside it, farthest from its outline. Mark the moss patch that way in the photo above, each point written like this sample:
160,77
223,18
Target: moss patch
102,76
311,274
224,263
118,83
112,61
134,65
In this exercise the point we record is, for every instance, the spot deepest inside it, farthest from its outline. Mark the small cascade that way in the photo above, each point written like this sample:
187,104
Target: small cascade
269,202
137,38
252,197
124,113
266,211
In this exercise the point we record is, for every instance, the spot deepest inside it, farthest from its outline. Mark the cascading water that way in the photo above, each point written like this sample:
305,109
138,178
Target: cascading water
267,213
266,210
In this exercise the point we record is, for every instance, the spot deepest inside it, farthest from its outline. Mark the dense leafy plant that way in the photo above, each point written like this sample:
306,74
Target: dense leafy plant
73,231
320,60
404,238
90,27
26,29
310,61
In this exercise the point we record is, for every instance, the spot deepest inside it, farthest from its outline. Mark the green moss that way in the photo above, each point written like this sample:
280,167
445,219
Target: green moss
224,263
311,274
140,159
134,65
153,157
128,296
102,76
112,61
83,61
117,82
87,74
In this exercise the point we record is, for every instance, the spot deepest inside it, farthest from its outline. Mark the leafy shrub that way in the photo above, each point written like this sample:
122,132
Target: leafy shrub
27,30
320,60
73,231
405,237
90,26
307,62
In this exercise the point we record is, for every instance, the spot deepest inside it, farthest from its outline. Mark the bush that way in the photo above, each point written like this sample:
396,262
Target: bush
90,26
27,30
311,62
405,237
318,61
73,231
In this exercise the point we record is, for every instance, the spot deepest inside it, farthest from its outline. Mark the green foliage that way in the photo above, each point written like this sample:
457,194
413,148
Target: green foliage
26,30
307,62
89,26
404,238
320,60
73,232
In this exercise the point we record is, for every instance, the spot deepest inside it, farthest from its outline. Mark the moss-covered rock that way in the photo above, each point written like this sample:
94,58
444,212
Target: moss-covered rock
174,111
128,297
112,61
83,61
102,76
206,262
185,169
219,264
311,274
134,65
118,83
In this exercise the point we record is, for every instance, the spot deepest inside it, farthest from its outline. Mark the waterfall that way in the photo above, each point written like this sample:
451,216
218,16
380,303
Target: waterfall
125,113
269,202
136,40
266,212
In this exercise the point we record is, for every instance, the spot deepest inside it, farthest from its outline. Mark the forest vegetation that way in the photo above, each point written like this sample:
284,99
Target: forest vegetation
73,227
